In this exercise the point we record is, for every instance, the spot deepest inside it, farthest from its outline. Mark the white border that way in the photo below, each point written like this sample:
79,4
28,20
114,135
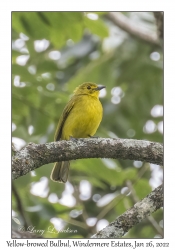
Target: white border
5,94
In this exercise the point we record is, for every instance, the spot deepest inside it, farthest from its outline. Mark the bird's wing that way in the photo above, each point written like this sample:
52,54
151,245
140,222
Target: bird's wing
62,119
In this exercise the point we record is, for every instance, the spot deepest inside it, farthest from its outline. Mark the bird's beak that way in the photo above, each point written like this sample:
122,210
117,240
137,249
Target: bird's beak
100,87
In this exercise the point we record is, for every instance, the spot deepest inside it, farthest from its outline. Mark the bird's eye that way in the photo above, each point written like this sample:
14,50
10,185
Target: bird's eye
88,87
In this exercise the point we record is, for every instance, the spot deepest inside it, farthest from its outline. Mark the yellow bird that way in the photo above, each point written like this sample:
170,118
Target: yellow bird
80,119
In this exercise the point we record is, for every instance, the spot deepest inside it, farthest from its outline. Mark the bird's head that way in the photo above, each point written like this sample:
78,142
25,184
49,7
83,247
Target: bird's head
88,88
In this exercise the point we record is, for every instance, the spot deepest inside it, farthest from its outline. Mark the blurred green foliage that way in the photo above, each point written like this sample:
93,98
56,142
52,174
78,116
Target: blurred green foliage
52,53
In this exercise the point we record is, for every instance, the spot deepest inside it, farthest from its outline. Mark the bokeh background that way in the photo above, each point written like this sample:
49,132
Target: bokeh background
52,53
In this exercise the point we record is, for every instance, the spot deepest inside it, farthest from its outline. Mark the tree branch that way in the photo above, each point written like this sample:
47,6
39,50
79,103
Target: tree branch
127,25
150,218
159,21
133,216
35,155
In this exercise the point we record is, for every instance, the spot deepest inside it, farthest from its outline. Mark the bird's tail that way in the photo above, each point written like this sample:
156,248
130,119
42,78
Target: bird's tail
60,171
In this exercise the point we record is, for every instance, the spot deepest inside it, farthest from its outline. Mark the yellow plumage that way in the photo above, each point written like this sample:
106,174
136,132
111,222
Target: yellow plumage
80,119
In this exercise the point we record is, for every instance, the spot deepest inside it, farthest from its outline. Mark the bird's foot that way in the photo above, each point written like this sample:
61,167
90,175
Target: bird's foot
94,137
73,139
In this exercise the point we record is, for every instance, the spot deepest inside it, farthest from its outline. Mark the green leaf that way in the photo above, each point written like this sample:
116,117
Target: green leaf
96,27
30,24
129,174
142,188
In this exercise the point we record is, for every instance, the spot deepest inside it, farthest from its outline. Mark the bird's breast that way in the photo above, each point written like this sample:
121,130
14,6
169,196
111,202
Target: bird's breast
83,119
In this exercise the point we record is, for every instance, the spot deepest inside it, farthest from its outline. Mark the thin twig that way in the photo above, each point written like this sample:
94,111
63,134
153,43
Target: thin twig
20,206
127,25
116,201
